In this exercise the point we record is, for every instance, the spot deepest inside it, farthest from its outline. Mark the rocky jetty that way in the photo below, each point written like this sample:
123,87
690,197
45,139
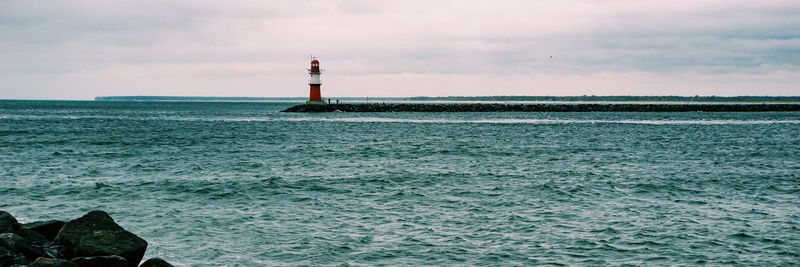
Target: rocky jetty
93,240
543,108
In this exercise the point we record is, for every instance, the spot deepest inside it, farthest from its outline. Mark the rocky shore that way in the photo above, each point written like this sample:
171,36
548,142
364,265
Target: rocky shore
93,240
543,108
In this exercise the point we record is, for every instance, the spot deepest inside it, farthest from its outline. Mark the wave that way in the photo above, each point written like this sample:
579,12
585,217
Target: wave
403,120
548,121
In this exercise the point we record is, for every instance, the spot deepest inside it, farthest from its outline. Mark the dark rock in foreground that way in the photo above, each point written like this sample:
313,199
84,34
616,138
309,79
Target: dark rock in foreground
93,240
12,241
101,261
305,108
32,237
49,229
8,224
96,234
8,258
48,262
156,262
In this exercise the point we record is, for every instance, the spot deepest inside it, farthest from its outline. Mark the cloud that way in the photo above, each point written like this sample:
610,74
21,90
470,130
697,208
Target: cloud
224,41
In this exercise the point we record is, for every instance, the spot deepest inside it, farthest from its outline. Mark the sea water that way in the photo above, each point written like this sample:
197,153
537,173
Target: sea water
241,184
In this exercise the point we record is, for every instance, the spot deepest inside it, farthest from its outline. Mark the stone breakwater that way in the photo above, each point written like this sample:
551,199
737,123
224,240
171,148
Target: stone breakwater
93,240
543,108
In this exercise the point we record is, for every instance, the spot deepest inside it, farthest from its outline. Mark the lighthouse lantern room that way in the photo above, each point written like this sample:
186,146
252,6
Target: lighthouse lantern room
315,96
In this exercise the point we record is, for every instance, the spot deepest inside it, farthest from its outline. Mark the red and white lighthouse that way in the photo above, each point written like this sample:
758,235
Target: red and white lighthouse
315,97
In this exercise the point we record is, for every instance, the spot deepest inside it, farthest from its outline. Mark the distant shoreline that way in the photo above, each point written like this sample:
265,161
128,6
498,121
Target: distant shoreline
192,98
600,99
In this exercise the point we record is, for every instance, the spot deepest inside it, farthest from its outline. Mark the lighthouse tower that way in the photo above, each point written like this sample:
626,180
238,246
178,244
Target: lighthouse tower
315,97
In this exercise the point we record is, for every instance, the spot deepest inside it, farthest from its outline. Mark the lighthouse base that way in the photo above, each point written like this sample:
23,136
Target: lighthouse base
315,102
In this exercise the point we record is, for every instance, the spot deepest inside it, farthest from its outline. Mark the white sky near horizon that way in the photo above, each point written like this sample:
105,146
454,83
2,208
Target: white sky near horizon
85,48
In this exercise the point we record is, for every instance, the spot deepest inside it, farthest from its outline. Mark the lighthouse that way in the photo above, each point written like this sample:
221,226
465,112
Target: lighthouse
315,96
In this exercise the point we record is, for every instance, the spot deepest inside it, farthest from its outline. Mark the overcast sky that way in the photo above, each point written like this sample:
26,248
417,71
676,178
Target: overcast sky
86,48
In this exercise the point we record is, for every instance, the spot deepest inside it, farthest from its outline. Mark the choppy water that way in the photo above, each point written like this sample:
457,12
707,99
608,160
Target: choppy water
240,184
